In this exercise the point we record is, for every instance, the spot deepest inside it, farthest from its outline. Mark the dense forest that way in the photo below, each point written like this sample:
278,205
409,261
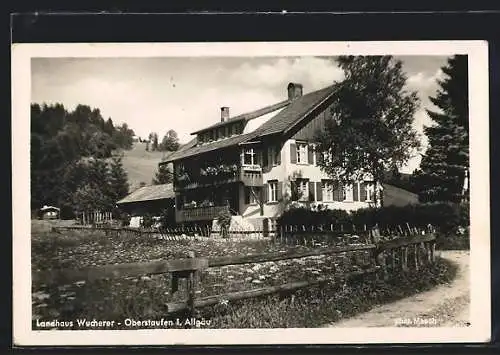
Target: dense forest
73,164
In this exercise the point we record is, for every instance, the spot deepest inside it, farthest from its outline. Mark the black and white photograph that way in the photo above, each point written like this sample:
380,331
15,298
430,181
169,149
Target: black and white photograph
230,193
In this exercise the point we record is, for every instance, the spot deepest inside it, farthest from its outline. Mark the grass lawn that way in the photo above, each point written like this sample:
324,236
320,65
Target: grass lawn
140,164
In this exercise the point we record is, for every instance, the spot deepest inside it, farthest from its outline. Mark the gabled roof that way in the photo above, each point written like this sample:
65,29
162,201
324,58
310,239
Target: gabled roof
247,116
293,113
195,150
149,193
48,208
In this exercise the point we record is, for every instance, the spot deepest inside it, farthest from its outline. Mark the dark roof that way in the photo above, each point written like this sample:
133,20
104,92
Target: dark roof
293,112
48,208
195,150
149,193
394,195
246,116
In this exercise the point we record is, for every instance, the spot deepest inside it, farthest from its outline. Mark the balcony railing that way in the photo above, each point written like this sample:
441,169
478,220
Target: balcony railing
250,176
199,213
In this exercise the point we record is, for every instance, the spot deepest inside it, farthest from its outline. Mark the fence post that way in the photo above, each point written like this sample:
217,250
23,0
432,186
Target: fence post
422,251
405,258
191,288
416,256
386,272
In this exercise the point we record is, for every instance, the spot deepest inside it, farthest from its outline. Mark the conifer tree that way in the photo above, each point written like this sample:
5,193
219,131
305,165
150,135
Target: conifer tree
445,164
118,179
163,175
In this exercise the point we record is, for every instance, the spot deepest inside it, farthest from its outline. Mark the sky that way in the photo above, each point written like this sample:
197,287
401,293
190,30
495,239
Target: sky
185,94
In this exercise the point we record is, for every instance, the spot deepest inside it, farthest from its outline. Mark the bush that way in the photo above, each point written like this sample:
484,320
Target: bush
450,220
304,216
224,222
147,221
167,218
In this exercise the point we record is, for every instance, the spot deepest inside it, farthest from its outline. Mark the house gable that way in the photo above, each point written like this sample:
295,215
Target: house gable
308,129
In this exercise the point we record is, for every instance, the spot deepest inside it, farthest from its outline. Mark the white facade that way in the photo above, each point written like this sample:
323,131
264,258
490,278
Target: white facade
287,171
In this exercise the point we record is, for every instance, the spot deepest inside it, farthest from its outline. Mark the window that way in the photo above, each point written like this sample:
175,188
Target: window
273,191
303,189
348,193
327,187
250,196
370,191
301,153
249,157
273,155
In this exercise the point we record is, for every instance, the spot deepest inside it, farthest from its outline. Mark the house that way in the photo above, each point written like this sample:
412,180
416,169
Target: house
50,212
148,200
258,163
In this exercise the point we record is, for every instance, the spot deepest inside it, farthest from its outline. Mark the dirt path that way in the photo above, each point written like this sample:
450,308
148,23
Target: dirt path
445,305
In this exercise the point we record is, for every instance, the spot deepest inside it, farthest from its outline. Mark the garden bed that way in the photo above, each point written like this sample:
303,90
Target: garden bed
146,297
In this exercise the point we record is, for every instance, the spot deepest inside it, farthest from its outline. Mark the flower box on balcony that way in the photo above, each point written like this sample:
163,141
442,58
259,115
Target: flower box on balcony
252,167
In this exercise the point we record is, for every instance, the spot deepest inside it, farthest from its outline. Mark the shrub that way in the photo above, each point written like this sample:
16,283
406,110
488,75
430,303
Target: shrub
167,218
450,220
224,222
304,216
147,221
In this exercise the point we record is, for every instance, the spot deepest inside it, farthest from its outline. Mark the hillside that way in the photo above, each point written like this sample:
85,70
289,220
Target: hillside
140,164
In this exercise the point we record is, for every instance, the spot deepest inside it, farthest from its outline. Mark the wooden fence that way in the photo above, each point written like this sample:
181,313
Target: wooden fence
397,255
286,235
95,217
179,233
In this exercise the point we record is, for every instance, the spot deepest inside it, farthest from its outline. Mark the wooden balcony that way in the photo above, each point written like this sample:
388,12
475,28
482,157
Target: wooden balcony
198,213
251,177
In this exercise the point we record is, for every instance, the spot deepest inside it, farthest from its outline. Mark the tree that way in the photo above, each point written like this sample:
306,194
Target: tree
109,127
163,175
170,141
118,180
370,128
444,167
153,138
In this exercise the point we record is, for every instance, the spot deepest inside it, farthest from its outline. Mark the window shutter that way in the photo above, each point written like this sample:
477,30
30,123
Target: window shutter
319,191
310,154
278,154
280,190
311,191
338,192
294,195
363,193
355,191
319,157
265,193
293,153
265,157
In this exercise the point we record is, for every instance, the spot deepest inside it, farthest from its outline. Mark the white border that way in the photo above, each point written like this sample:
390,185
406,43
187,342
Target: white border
480,329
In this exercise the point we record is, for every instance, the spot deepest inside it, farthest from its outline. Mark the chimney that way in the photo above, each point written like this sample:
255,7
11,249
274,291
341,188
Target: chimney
294,91
224,113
